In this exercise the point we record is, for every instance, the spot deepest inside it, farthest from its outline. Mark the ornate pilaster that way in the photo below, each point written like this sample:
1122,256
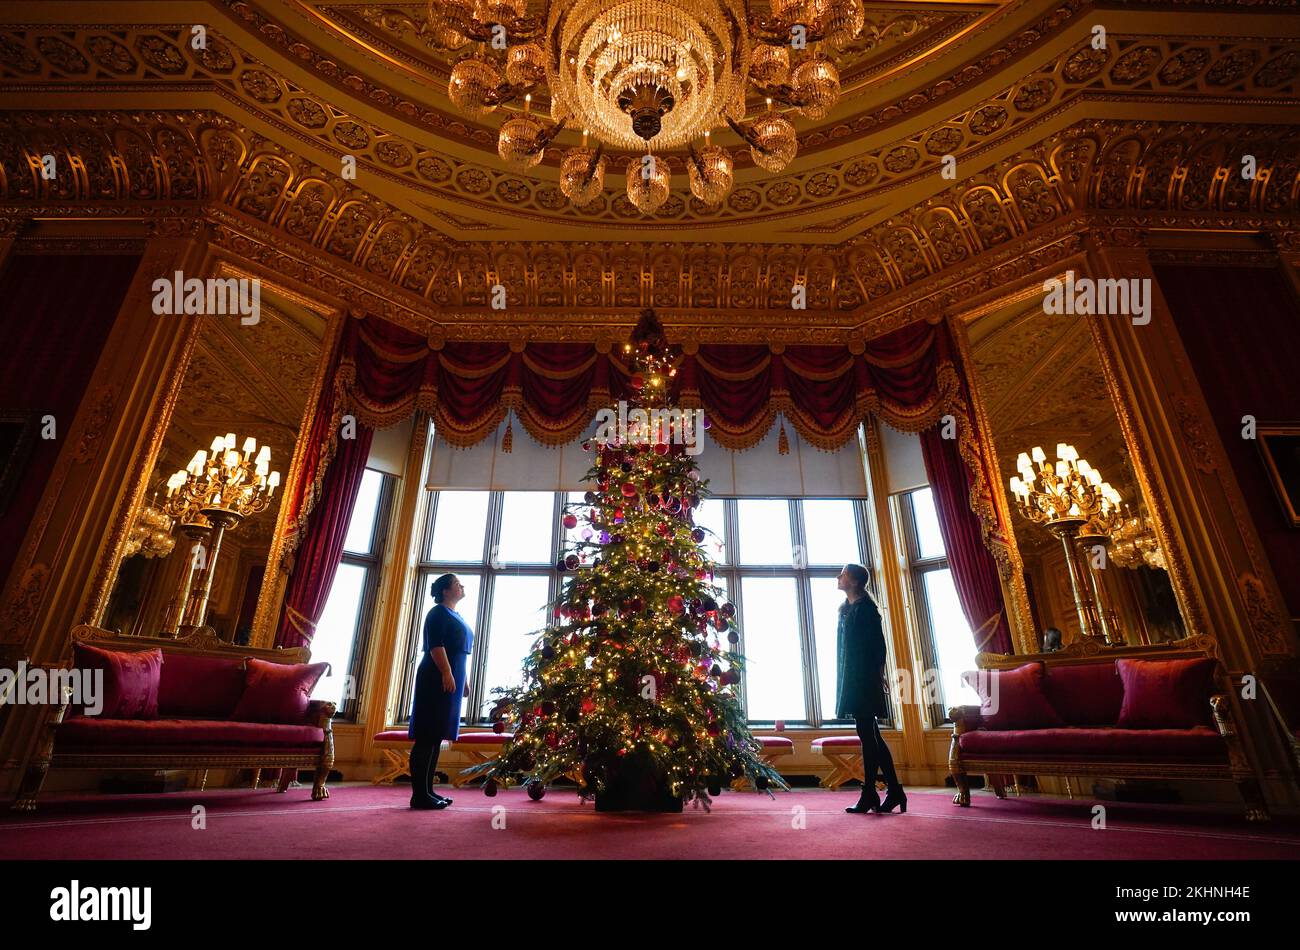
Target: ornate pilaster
1223,582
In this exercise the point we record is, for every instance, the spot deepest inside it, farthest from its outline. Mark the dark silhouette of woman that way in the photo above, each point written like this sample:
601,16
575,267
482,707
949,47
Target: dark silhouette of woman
439,687
861,652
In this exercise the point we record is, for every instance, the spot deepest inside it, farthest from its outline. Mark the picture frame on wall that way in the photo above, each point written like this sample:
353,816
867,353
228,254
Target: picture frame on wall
1280,447
17,439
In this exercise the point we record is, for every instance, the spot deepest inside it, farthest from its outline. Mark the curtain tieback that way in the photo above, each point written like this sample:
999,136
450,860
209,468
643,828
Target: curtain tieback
986,631
304,625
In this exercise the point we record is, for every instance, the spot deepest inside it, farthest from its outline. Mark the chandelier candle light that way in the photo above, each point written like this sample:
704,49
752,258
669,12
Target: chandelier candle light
646,76
224,488
1065,498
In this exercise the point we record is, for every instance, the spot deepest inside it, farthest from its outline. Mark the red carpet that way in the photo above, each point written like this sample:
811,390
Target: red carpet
364,821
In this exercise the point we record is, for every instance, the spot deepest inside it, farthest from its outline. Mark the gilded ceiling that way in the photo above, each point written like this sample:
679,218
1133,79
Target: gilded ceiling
976,81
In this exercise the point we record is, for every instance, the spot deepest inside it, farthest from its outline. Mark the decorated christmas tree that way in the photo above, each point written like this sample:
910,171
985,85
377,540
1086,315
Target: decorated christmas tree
632,692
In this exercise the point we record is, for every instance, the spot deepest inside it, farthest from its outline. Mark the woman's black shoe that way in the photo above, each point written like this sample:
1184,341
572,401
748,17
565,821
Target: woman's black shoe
895,796
441,798
869,801
430,805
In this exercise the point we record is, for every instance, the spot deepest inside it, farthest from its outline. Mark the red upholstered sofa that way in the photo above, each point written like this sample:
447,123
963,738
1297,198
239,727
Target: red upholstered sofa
202,719
1115,712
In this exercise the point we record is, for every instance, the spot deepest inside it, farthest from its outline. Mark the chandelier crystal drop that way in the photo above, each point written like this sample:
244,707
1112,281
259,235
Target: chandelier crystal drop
582,174
647,183
473,85
519,143
647,76
816,82
710,173
770,64
774,143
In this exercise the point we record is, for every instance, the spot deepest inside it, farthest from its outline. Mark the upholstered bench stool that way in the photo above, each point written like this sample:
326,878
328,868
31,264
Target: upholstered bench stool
773,748
845,756
396,748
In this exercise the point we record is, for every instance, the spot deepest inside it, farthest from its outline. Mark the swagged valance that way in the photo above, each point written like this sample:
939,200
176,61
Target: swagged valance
381,372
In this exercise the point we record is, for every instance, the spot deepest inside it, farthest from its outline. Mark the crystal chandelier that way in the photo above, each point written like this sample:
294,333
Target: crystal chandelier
212,495
646,77
1074,503
151,534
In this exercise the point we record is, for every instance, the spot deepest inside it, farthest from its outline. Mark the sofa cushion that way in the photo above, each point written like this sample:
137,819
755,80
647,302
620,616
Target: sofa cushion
130,680
1013,699
277,692
1085,694
1200,743
97,734
1166,694
204,687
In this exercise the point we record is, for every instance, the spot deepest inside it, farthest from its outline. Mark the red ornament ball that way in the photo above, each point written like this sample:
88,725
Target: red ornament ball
676,604
629,489
570,520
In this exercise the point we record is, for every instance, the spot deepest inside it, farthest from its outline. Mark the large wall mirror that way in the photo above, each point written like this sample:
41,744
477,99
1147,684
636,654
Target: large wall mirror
1040,380
250,381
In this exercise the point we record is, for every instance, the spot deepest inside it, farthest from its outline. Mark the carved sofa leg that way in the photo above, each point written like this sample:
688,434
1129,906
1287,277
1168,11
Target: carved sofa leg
39,764
961,717
1242,774
325,721
999,783
286,776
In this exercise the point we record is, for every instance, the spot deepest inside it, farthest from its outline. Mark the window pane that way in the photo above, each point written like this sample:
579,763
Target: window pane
460,521
337,631
826,600
928,538
361,528
526,520
773,662
582,511
710,516
764,525
467,608
831,530
953,642
518,614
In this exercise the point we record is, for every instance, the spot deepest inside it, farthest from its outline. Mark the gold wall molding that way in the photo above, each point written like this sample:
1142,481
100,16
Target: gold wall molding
1126,178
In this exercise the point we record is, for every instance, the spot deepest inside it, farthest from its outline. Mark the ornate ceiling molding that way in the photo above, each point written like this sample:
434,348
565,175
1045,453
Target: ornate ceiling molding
1179,172
1199,72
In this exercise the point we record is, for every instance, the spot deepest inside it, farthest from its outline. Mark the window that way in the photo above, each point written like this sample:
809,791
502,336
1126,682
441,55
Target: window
503,545
344,625
777,558
946,639
781,557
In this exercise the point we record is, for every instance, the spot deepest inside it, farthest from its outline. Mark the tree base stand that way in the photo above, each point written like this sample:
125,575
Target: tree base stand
633,785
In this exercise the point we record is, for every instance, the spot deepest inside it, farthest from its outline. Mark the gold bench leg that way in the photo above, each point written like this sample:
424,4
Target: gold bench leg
398,764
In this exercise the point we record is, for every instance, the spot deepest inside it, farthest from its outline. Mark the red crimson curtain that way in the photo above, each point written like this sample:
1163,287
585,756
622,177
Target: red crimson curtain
974,570
383,372
55,315
321,548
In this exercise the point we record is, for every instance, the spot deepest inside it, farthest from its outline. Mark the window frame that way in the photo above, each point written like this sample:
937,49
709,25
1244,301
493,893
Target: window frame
736,571
917,568
425,569
487,570
372,564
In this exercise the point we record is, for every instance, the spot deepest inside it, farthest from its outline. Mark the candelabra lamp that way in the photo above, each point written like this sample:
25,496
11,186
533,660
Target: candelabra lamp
1064,498
1094,535
221,489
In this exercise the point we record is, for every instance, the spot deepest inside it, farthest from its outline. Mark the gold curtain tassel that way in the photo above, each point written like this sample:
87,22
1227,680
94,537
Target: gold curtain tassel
783,442
508,440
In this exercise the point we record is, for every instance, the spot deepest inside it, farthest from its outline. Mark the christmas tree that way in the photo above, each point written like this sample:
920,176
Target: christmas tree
631,693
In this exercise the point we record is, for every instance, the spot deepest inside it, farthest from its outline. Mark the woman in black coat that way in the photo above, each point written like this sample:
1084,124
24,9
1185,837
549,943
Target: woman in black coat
862,695
439,688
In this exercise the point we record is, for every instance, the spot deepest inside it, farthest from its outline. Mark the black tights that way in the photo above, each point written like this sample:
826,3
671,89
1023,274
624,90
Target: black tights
875,756
424,762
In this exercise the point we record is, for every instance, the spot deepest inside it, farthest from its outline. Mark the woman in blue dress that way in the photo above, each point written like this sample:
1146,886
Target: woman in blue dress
439,687
862,694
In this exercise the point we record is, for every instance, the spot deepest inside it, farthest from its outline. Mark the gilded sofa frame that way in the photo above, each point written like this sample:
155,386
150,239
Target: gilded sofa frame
201,641
1237,770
